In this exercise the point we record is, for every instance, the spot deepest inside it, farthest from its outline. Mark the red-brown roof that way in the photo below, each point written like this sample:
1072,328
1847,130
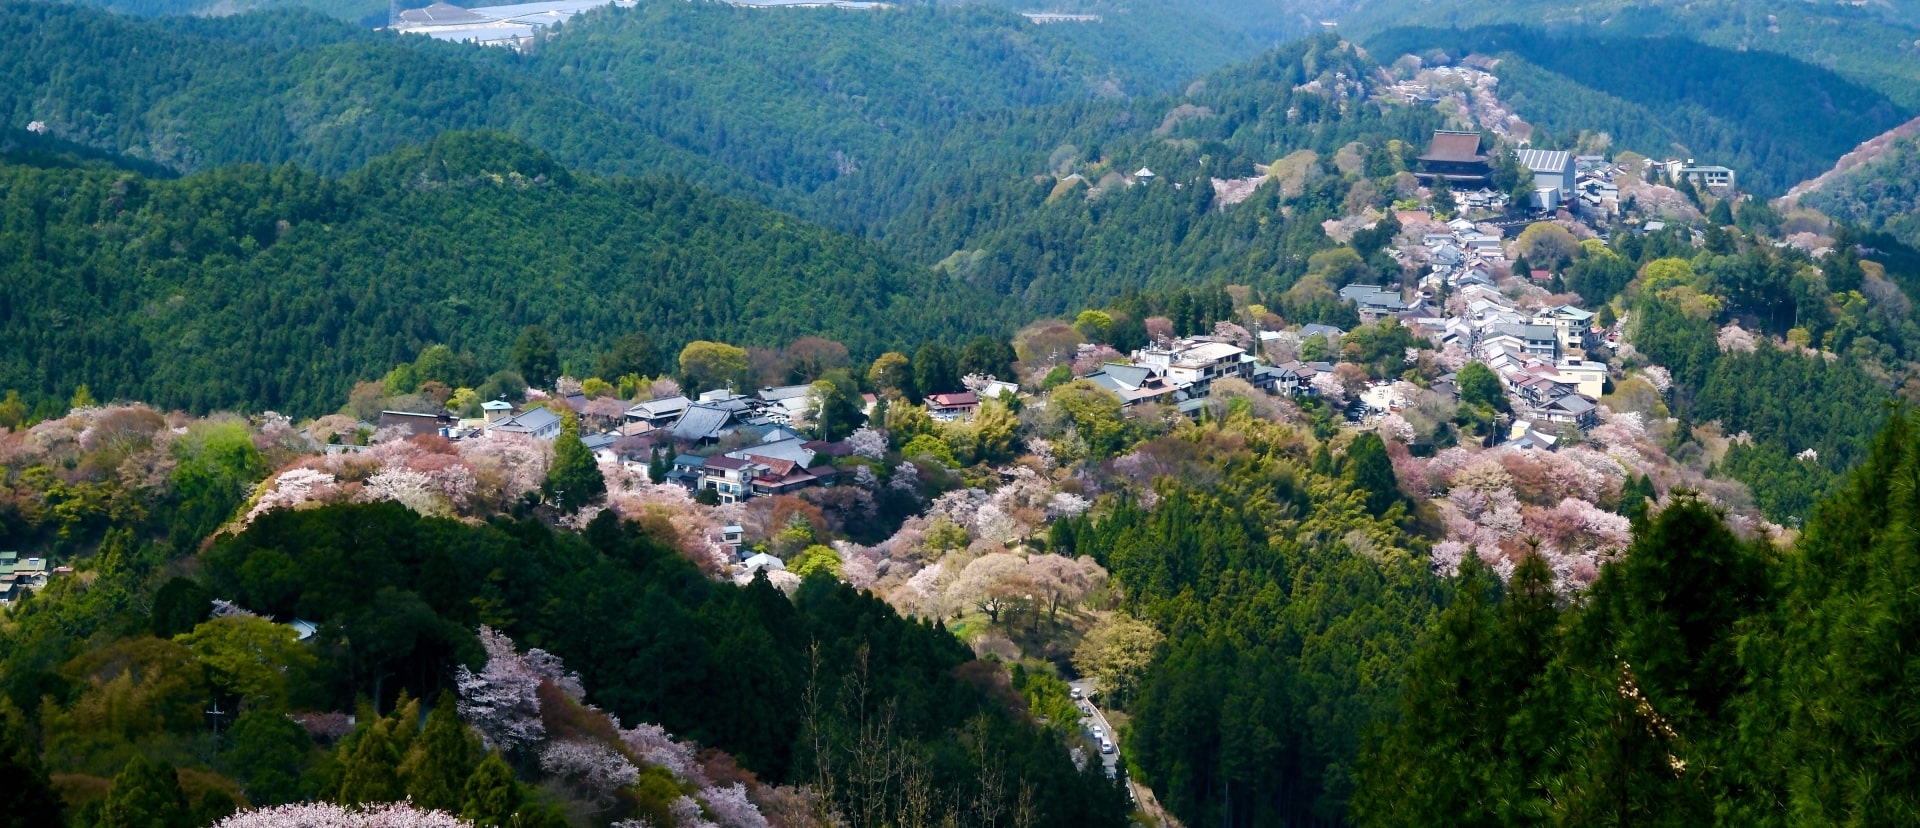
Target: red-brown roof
965,400
779,468
1454,146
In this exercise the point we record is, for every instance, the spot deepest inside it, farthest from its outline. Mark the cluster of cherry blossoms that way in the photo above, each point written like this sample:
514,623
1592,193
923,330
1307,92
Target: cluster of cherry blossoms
328,815
1506,503
429,475
503,701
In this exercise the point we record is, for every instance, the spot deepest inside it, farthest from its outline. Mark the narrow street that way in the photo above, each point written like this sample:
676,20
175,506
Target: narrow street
1091,715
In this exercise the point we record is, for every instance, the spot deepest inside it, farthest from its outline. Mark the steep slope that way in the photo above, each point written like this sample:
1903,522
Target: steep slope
1061,221
773,105
796,99
1869,43
1880,194
288,87
1776,120
265,287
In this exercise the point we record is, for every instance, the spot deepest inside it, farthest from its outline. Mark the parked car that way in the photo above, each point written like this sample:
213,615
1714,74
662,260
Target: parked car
1098,733
1106,747
1076,694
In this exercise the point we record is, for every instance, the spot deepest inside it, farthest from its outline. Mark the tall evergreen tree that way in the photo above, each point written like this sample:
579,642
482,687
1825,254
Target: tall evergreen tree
145,795
631,354
657,467
491,797
268,753
441,760
535,356
935,370
574,480
370,767
1372,473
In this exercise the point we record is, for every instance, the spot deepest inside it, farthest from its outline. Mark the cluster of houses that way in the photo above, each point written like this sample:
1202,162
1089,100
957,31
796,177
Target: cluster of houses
18,575
1179,372
1457,253
1540,357
772,459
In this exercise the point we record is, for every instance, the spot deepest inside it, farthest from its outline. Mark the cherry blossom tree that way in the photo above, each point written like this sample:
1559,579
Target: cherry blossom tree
994,583
328,815
868,443
292,488
1067,505
1063,580
652,744
686,814
731,807
502,701
1659,377
1735,339
1395,427
1329,387
594,772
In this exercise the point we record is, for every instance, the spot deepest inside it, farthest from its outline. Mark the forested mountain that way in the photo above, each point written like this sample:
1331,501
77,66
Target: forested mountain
990,196
723,95
1774,119
271,287
799,100
1064,220
291,86
1883,194
1869,43
1706,679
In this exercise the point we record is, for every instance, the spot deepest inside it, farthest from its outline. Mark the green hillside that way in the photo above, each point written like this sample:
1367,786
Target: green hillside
256,287
1775,120
1883,194
1874,44
287,87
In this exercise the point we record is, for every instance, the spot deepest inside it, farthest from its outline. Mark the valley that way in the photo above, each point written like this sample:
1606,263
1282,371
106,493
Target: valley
718,415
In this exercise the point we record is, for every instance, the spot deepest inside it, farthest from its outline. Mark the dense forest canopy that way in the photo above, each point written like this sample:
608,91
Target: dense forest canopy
1775,119
1296,609
268,287
1868,43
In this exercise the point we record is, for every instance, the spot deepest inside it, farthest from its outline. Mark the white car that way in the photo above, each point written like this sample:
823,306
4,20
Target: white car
1106,747
1097,732
1076,694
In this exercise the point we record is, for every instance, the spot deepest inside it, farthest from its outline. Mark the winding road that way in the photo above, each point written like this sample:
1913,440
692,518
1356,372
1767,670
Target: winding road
1091,715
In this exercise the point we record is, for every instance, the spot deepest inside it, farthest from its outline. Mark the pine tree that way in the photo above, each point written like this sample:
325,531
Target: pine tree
491,796
145,795
1433,767
574,479
1442,192
370,767
1373,472
441,760
535,357
657,467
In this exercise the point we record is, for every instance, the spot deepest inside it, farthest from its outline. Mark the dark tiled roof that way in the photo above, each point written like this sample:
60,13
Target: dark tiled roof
701,422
